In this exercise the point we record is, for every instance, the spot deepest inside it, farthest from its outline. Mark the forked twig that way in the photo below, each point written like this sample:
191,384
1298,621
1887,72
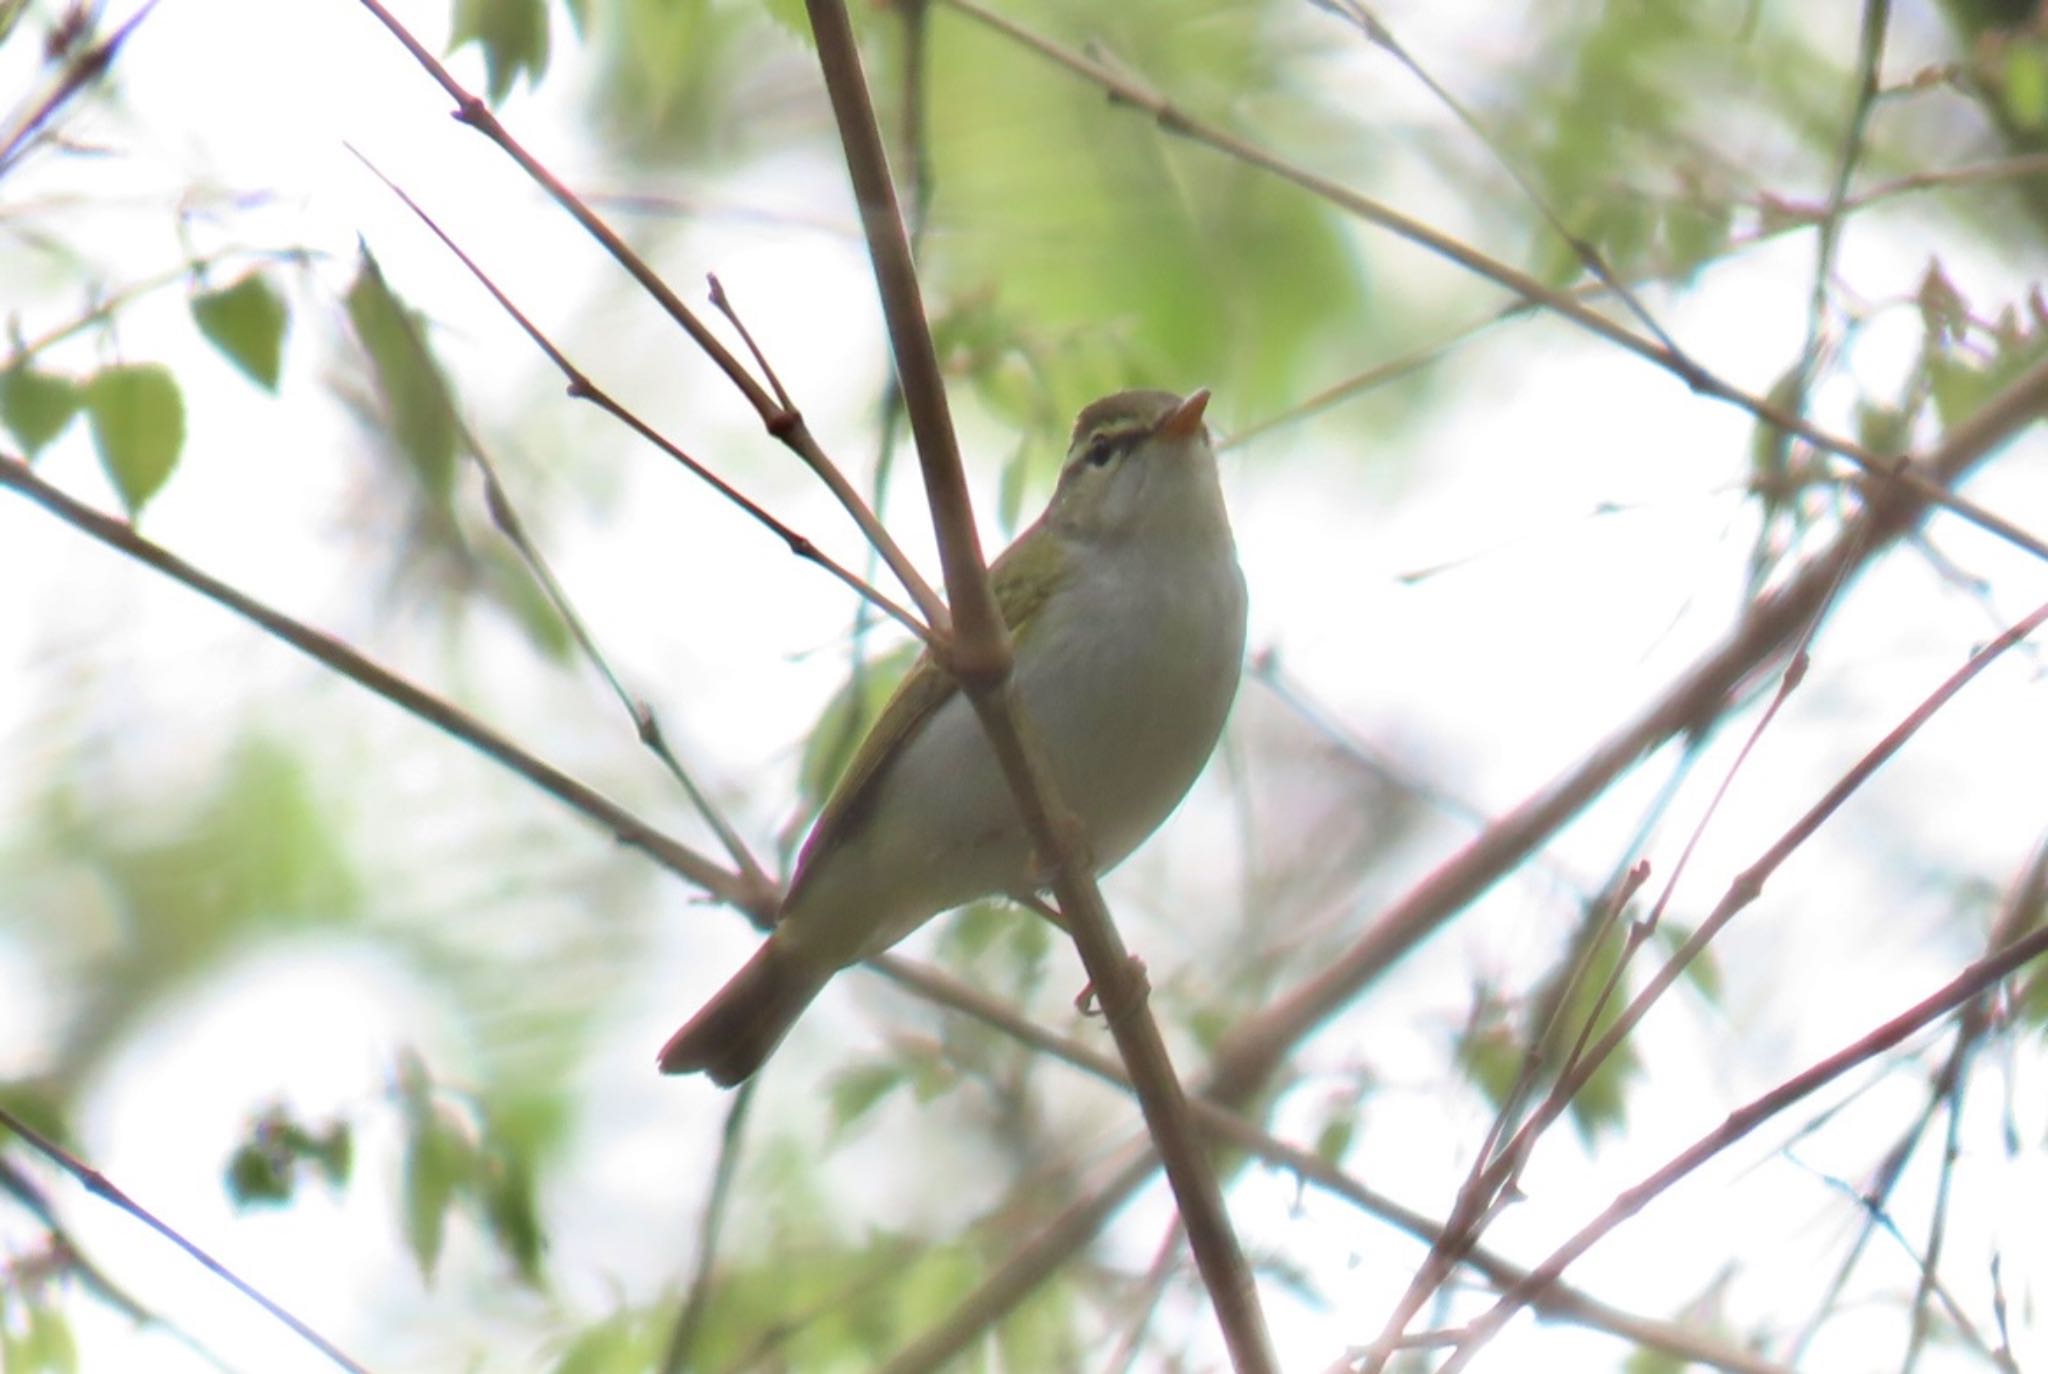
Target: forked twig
1885,468
1981,976
783,423
646,725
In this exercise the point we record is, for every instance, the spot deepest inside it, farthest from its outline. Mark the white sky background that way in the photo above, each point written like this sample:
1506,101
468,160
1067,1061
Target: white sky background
1487,679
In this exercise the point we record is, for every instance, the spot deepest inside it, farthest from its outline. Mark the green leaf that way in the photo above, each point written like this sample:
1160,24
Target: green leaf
10,15
2026,84
1644,1360
1336,1135
1493,1060
1696,234
263,1171
793,19
258,1177
513,35
620,1344
419,409
332,1152
138,426
510,1211
37,405
856,1092
1960,385
439,1163
45,1345
247,323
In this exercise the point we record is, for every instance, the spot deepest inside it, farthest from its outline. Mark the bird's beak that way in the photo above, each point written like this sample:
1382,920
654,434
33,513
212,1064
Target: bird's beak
1185,419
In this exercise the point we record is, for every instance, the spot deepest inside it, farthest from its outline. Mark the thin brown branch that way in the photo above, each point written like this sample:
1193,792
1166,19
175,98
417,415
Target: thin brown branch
65,1256
646,724
981,659
1253,1051
100,1186
725,307
1744,890
784,424
583,389
79,72
1974,981
933,986
2024,908
2017,168
1376,32
1174,120
1870,55
623,825
1226,1127
682,1339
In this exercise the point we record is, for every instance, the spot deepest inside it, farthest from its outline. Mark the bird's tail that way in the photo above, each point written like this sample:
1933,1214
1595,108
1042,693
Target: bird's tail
746,1019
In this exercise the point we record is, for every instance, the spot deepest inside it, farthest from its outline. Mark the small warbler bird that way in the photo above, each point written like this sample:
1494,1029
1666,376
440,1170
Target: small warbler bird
1127,611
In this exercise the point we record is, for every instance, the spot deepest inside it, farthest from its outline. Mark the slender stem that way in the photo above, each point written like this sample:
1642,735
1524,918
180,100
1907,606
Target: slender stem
80,72
583,389
784,424
981,660
1886,468
626,827
1252,1051
1957,992
646,724
101,1186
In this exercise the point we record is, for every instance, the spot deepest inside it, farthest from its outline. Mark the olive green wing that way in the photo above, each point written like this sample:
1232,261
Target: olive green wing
1021,583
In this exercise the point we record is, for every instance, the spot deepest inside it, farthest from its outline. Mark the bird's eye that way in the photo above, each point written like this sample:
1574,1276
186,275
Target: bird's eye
1100,451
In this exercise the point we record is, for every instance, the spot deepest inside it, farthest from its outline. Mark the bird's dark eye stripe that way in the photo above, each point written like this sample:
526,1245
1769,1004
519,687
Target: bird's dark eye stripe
1108,444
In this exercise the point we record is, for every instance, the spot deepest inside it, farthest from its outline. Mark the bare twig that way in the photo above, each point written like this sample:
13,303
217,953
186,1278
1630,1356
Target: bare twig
784,424
582,388
1745,889
65,1256
1175,120
1870,54
725,308
79,72
627,828
1376,31
1252,1050
99,1185
646,725
1959,991
682,1338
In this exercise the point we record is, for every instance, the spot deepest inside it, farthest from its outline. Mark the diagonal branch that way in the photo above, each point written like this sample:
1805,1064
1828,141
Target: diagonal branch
1175,120
982,661
582,388
99,1185
1253,1051
626,827
1957,993
783,423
